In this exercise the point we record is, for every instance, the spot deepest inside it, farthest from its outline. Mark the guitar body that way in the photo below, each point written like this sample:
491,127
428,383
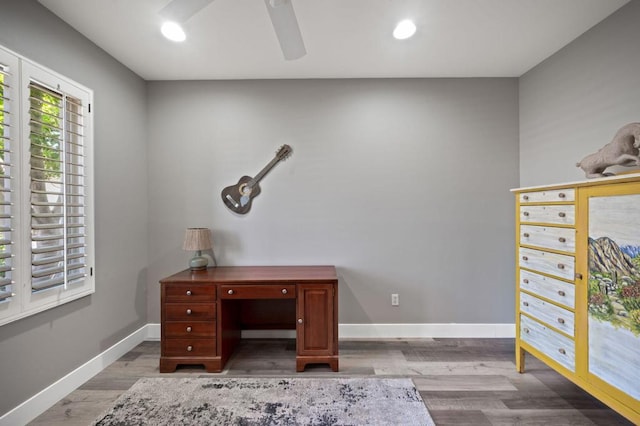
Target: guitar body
238,197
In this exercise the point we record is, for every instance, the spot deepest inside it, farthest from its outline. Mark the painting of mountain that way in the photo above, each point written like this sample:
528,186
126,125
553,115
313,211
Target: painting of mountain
614,290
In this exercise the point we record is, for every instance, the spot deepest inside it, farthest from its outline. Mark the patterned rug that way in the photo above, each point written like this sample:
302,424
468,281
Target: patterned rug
268,401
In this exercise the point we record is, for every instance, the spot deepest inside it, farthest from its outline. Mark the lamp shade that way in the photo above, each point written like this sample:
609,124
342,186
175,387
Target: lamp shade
197,239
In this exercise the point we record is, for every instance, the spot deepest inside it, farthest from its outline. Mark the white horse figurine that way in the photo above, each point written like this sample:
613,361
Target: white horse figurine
623,150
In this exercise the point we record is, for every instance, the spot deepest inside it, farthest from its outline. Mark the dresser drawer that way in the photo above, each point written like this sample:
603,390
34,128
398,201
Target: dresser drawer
550,288
563,239
269,291
189,329
189,292
189,311
552,195
560,265
554,214
189,347
555,316
553,344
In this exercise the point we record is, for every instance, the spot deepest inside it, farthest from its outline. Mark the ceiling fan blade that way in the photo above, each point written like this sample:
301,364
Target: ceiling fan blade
284,21
181,10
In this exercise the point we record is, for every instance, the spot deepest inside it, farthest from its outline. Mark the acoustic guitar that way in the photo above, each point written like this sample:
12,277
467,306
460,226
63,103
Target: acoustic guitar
238,197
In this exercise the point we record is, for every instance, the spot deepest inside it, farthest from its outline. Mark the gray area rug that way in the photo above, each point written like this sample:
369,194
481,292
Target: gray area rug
268,401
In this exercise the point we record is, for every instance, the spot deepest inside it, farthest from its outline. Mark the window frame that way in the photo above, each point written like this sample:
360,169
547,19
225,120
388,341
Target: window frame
27,301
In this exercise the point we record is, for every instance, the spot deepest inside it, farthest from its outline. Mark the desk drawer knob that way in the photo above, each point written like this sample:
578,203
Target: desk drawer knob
299,320
189,329
230,292
188,311
189,348
188,292
284,291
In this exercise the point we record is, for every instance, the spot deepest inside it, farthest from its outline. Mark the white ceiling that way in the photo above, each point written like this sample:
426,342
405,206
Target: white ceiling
234,39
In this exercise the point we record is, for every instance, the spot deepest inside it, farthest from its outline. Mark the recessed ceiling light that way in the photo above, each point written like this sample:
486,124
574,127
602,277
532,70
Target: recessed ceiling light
404,29
173,31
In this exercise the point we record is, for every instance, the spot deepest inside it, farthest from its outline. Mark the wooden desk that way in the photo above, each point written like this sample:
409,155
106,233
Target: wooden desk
204,312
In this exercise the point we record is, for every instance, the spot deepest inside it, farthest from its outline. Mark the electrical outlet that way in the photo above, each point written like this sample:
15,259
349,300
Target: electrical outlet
395,300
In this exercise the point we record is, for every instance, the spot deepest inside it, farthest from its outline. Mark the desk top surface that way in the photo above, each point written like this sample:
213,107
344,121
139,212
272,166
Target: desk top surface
256,274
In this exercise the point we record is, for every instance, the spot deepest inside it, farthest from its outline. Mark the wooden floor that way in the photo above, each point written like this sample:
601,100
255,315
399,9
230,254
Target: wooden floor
462,381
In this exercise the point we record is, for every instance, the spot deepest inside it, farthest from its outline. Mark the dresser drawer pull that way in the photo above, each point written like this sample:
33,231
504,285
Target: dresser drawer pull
230,292
562,240
579,275
525,197
560,266
525,303
189,348
562,351
526,235
562,214
560,320
284,291
525,258
189,329
562,195
525,213
526,281
526,330
561,293
188,292
299,320
188,311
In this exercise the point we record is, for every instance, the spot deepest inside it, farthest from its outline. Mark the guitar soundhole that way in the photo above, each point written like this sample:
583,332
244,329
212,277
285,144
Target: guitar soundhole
244,190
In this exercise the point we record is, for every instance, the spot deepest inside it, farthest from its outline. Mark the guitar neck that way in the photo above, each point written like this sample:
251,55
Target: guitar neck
257,178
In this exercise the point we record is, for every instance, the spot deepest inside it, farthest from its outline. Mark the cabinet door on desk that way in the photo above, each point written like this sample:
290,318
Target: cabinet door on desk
317,319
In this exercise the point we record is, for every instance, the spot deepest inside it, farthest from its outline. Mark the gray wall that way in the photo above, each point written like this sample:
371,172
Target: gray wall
402,184
36,351
573,103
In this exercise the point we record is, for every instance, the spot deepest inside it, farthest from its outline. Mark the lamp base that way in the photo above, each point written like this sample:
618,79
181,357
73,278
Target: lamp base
198,263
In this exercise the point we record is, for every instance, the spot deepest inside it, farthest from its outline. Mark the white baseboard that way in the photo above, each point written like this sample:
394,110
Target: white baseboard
409,331
43,400
385,331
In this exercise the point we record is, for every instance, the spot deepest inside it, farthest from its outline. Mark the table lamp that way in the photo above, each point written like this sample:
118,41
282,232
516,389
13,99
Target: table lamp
197,239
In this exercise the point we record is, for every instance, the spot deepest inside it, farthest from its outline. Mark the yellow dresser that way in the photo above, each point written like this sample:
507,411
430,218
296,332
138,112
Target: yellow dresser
578,285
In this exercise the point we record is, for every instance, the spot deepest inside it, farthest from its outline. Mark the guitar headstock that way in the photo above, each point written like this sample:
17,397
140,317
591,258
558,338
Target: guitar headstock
284,152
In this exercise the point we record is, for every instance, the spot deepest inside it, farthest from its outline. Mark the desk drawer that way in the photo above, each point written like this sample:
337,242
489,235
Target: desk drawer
556,214
269,291
189,347
556,290
554,345
559,265
563,239
546,312
189,311
189,329
189,292
552,195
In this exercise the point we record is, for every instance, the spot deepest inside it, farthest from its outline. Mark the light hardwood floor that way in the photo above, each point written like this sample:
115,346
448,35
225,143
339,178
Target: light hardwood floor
462,381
